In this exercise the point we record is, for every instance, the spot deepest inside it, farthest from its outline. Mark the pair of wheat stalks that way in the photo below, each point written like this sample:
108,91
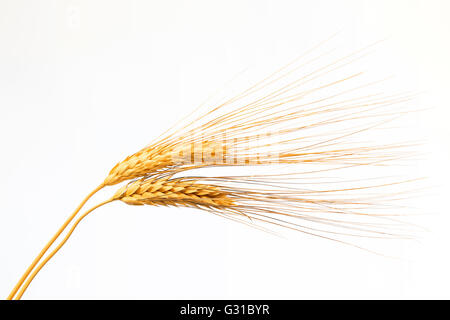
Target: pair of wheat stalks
276,122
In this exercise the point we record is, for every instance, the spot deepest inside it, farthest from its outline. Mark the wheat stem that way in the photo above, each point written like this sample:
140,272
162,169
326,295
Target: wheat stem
52,240
42,264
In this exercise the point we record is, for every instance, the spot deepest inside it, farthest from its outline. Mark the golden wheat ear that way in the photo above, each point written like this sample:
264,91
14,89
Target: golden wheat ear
311,112
173,192
320,211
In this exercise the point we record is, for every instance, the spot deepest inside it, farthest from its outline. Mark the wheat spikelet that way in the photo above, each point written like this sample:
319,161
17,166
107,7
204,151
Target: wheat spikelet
137,165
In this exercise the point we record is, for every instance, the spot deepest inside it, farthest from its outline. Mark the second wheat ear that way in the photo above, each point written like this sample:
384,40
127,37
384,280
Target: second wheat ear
283,120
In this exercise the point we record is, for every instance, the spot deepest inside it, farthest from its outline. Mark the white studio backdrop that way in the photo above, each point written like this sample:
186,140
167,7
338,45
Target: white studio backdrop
85,83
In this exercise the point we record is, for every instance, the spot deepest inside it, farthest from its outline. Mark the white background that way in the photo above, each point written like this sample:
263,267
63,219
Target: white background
85,83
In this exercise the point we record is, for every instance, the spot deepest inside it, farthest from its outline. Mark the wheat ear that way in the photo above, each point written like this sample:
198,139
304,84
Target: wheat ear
173,192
